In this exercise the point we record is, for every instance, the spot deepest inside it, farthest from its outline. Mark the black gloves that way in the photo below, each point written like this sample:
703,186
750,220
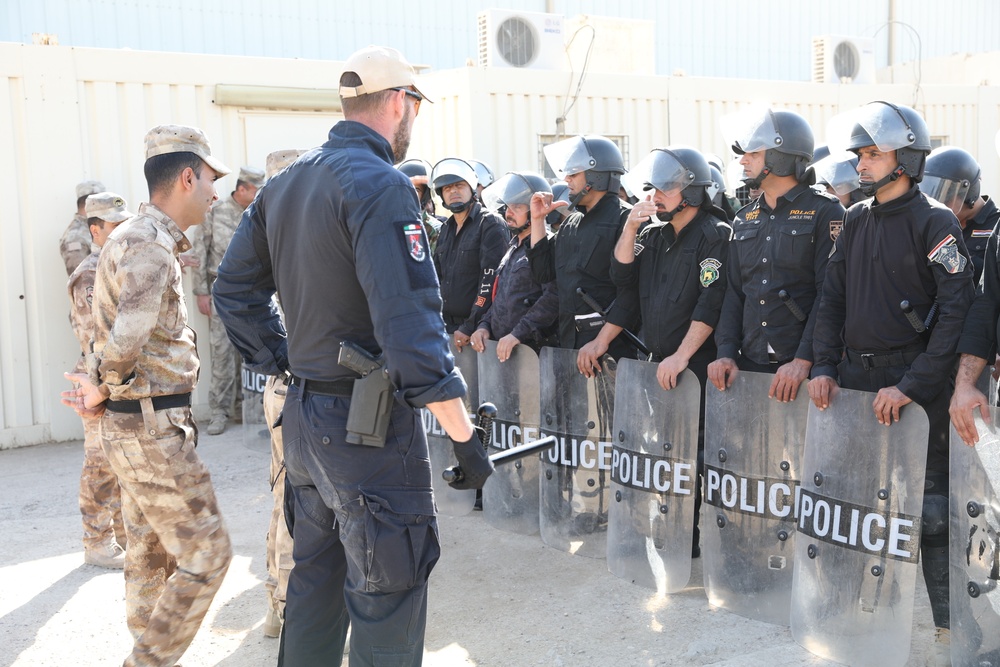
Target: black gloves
474,465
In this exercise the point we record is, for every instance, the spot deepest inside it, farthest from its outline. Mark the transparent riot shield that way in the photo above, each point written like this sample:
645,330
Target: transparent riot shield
858,527
255,433
452,502
753,447
510,496
975,546
576,474
654,473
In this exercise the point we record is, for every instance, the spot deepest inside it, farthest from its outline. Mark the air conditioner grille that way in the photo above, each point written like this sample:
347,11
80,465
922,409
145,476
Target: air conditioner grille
846,61
516,42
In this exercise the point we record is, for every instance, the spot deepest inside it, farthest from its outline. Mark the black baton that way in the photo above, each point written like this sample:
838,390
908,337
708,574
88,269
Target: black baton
631,337
455,474
912,317
789,302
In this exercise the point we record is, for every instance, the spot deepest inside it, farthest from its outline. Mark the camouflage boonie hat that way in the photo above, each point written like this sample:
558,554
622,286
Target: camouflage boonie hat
278,160
108,206
251,175
165,139
88,188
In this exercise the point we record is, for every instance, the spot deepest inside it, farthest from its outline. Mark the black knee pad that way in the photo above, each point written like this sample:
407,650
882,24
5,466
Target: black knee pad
934,517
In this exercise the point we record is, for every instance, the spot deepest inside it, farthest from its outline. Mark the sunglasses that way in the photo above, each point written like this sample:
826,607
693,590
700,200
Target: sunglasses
415,95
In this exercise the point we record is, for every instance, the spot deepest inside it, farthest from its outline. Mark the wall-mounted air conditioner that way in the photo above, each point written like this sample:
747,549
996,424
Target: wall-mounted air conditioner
521,39
838,59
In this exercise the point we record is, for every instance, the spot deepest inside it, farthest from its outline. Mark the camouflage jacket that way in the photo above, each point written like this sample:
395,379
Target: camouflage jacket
74,245
81,297
220,225
142,344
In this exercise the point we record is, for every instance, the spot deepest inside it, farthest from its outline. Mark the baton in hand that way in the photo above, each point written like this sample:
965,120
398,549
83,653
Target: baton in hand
631,337
455,474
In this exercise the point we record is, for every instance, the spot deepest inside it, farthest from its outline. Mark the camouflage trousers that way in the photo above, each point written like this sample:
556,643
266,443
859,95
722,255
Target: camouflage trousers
100,498
279,542
224,392
178,546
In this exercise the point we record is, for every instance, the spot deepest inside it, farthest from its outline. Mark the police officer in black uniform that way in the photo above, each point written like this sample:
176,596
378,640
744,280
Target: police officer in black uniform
523,311
953,177
781,242
863,340
579,255
469,248
338,235
672,272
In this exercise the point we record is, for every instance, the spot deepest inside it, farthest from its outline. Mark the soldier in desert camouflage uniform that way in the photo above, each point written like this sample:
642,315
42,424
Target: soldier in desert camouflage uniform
216,232
139,379
74,245
100,498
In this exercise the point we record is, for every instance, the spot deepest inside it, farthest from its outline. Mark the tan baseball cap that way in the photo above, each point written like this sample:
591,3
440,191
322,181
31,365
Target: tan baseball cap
165,139
108,206
88,188
379,68
278,160
252,175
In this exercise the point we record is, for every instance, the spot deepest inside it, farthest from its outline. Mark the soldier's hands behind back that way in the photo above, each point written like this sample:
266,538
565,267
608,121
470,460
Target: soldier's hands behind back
474,462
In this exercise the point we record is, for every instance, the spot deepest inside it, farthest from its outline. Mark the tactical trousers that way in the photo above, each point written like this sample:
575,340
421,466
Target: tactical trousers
178,546
225,390
279,542
365,537
934,517
100,497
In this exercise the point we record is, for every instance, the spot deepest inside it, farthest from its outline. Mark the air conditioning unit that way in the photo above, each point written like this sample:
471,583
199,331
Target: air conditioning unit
838,59
526,40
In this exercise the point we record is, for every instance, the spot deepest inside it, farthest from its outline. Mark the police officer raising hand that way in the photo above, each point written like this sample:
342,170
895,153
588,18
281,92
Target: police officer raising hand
641,212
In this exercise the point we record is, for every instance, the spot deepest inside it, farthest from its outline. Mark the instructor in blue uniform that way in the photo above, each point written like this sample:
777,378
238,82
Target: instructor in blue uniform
338,236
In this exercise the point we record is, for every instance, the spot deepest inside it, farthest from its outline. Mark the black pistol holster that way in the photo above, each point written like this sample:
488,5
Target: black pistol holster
371,398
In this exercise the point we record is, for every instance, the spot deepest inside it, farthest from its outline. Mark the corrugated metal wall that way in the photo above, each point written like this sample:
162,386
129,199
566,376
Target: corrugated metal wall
722,38
67,114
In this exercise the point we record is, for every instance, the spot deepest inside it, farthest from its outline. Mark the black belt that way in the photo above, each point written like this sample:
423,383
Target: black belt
870,360
343,387
159,403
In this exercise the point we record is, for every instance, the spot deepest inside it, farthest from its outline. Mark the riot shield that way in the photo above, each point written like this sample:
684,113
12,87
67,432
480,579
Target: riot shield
510,496
753,447
858,527
576,474
654,470
975,546
452,502
255,433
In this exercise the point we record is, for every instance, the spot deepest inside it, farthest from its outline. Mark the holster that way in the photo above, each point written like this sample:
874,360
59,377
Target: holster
371,406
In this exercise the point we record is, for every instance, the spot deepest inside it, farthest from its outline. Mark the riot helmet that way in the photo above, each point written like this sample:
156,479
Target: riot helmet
839,173
598,157
784,136
953,177
822,151
512,189
560,192
717,190
483,173
418,171
671,169
888,127
454,170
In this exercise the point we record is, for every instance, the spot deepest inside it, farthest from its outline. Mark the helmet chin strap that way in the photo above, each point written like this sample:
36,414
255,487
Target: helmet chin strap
458,208
575,199
869,189
667,216
755,182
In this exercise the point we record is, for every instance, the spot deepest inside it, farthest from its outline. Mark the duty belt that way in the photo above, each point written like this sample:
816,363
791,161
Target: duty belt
159,403
343,387
870,360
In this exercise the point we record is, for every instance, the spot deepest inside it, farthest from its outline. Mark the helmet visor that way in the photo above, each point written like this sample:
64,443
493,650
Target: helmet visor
452,170
660,170
879,123
950,193
751,130
569,156
509,190
839,172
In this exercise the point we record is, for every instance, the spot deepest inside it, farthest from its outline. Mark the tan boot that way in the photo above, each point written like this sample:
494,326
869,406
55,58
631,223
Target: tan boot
108,555
940,653
217,425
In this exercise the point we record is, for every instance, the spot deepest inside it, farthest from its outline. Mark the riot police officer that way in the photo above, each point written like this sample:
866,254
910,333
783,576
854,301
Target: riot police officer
838,175
863,340
781,243
953,177
419,173
579,255
471,244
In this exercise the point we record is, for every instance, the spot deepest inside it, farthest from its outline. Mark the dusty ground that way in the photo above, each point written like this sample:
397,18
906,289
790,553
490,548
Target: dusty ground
497,599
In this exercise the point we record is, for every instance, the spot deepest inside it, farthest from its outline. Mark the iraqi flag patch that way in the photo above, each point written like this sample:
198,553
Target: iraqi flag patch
414,234
947,254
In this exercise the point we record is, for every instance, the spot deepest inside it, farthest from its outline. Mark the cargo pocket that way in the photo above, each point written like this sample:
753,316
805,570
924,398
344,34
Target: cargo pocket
401,540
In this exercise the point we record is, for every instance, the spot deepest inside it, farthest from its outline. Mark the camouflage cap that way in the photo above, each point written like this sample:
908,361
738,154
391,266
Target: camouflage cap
164,139
379,68
88,188
251,175
278,160
108,206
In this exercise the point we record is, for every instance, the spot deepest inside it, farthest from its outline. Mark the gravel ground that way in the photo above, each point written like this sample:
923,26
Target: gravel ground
497,599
